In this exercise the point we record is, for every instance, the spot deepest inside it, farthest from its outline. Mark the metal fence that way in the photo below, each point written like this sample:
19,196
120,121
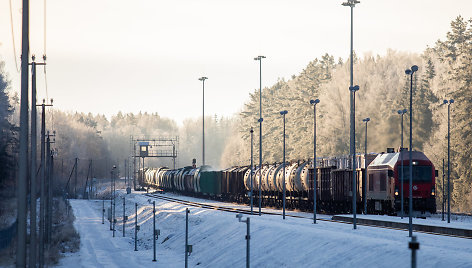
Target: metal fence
7,235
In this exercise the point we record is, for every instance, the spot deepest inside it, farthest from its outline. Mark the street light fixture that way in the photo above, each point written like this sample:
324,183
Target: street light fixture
203,78
352,4
283,113
259,58
314,102
410,72
365,120
353,90
402,112
451,101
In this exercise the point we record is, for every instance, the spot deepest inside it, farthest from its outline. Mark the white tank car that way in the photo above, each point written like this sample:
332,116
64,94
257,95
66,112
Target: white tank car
265,172
160,176
290,177
247,181
298,183
304,176
180,179
280,176
266,177
273,177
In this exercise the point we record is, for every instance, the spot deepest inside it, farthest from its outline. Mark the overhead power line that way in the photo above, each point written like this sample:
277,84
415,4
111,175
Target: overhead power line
13,38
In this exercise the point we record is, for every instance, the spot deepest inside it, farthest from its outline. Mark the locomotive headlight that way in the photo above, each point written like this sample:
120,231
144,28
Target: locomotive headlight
396,192
432,192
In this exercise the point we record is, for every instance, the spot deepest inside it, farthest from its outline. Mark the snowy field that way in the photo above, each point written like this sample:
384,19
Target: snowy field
218,240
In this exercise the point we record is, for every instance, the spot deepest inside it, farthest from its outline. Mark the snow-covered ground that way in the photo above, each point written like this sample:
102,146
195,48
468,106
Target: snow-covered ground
218,240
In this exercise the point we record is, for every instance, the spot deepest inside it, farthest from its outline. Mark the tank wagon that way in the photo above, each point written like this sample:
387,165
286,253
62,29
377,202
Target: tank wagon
378,184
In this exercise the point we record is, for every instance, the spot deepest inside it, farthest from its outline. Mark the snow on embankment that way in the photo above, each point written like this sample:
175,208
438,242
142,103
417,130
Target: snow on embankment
218,240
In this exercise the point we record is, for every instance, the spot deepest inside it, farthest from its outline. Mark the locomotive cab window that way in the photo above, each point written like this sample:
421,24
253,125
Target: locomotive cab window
420,173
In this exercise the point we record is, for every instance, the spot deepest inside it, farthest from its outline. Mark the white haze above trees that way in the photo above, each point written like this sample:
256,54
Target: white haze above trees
445,71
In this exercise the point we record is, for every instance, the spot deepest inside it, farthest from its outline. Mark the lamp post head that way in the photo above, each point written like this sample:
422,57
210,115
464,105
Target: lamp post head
259,57
252,131
408,71
260,120
350,3
314,101
404,111
414,68
203,78
354,88
284,112
445,101
451,101
366,119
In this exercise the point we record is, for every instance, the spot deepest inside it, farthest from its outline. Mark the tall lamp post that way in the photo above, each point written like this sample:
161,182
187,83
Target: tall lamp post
353,90
448,158
259,58
410,72
203,78
314,102
401,112
352,4
283,113
365,120
250,174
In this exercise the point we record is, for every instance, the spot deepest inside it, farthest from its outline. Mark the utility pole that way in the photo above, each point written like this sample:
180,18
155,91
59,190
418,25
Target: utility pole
32,256
23,163
47,186
42,204
50,187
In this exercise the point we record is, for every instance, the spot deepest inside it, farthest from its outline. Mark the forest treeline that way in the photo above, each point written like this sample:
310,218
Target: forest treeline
445,72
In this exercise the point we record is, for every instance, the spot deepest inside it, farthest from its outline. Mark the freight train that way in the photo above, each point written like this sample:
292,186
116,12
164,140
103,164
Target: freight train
379,184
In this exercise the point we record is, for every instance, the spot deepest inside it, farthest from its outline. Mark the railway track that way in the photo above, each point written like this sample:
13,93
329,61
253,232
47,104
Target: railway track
248,212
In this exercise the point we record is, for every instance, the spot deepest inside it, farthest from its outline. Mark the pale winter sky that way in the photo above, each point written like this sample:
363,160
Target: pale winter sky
107,56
